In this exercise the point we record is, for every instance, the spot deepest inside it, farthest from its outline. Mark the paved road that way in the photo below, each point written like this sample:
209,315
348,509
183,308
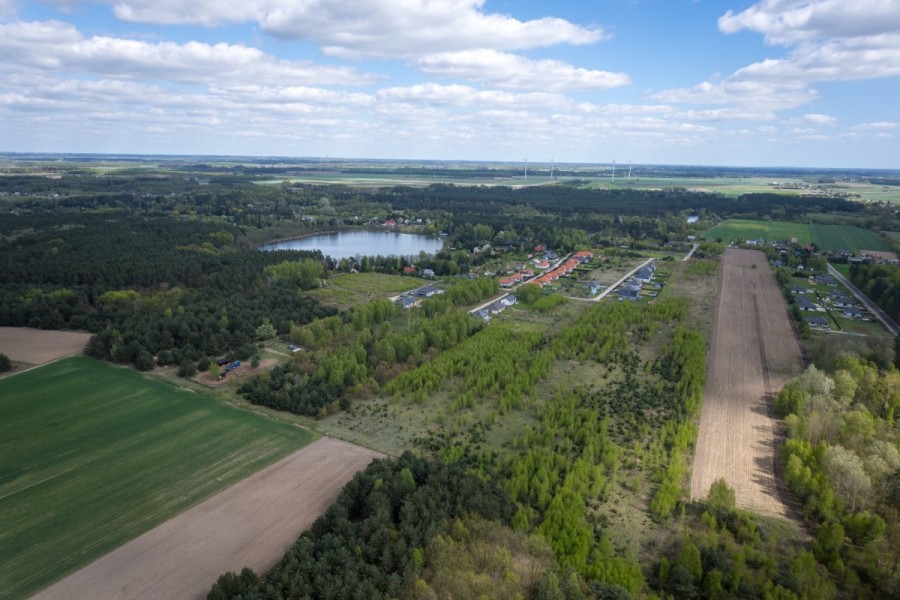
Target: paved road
609,290
879,314
688,256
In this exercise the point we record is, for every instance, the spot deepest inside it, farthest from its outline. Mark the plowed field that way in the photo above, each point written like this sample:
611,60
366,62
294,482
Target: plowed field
252,524
754,352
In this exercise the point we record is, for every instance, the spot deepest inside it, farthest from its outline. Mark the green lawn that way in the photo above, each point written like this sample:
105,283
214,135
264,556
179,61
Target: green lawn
94,454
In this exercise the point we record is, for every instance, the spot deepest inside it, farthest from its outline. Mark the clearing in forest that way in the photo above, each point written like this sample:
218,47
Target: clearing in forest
252,523
754,352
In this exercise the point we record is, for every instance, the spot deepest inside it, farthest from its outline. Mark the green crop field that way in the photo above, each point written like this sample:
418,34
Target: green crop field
828,237
748,229
837,237
94,455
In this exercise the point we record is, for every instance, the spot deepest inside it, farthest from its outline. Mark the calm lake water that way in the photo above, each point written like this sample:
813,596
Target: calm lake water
346,244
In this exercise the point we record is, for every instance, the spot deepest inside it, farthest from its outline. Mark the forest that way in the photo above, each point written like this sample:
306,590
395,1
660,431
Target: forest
881,283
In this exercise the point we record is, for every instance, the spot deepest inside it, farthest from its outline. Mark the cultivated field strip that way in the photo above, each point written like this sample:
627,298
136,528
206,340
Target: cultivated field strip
754,352
37,346
249,524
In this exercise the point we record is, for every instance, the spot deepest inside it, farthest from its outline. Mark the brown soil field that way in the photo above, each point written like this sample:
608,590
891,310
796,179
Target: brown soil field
252,524
32,347
754,352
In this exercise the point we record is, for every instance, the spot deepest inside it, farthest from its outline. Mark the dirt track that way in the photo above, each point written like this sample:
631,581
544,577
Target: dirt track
252,523
38,346
754,352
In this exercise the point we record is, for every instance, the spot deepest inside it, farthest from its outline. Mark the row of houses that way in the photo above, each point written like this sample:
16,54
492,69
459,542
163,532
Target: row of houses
836,300
631,289
412,298
565,268
496,307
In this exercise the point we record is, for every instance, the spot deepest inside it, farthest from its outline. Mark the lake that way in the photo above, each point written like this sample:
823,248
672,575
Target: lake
347,244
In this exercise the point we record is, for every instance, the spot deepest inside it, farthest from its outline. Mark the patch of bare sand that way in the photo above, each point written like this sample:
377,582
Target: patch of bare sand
252,523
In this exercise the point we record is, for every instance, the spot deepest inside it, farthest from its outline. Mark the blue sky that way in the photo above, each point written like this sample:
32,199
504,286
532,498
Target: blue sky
812,83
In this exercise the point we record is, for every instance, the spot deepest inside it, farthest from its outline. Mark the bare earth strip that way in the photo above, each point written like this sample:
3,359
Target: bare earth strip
252,523
38,346
754,352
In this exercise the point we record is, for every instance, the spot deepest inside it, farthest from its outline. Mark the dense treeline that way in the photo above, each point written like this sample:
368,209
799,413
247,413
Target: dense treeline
728,553
354,351
881,283
842,460
147,287
565,201
371,541
496,363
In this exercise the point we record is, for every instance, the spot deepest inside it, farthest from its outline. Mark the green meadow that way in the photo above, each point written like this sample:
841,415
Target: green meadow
348,290
94,455
750,229
827,236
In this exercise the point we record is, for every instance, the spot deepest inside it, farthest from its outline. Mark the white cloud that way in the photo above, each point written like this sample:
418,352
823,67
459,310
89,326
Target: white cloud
878,125
756,95
792,21
370,28
511,71
819,119
208,13
828,40
57,46
466,96
8,9
833,60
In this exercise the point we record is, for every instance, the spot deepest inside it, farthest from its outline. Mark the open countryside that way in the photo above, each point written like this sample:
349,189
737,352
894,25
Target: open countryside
250,524
94,454
566,412
828,237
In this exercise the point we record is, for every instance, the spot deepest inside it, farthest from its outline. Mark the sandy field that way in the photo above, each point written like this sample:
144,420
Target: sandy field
754,352
38,346
250,524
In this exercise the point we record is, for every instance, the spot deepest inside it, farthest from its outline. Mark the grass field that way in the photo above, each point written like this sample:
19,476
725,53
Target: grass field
345,291
749,229
836,237
94,455
827,236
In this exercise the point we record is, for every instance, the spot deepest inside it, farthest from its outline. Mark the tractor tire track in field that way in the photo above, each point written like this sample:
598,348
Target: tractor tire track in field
754,351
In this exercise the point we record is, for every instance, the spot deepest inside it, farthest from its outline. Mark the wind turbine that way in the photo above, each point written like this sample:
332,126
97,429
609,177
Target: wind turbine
629,168
614,172
551,166
526,168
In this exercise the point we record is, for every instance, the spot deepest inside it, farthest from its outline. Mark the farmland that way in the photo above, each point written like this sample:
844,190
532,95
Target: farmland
854,239
94,455
29,347
828,237
753,354
747,229
249,524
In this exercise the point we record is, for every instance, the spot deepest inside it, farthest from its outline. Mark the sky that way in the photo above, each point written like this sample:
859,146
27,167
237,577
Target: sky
802,83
